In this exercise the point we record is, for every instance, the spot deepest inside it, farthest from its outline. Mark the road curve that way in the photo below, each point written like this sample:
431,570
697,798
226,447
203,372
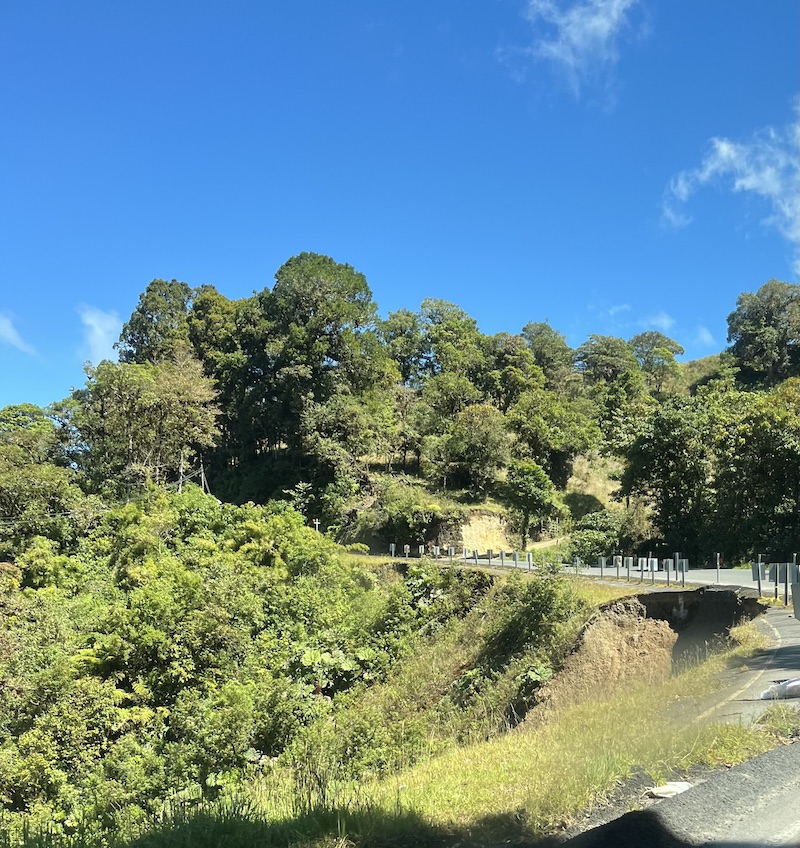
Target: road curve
753,805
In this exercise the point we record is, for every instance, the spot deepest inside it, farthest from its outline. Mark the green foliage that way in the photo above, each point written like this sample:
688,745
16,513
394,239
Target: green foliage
719,470
765,333
551,353
552,429
604,359
472,451
39,494
656,354
158,326
185,644
758,441
669,465
510,369
404,512
145,422
529,490
701,372
598,534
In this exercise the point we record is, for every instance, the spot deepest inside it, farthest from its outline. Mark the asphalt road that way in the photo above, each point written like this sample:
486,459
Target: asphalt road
750,806
753,805
739,700
694,577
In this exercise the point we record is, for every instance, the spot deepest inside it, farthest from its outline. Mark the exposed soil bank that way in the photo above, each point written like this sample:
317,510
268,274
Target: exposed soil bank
644,638
619,642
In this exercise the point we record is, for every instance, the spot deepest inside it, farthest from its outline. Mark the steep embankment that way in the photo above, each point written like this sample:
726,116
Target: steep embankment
642,638
618,643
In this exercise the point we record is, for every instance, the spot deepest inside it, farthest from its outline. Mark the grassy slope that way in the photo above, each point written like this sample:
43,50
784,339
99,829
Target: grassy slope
515,786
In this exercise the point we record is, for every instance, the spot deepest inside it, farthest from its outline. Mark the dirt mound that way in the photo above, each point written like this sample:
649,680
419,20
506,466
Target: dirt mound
618,643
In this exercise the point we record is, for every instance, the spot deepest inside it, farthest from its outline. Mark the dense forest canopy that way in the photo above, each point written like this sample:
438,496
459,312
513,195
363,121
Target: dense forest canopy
158,639
302,393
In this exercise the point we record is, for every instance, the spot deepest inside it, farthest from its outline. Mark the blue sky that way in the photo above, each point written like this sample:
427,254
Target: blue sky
606,165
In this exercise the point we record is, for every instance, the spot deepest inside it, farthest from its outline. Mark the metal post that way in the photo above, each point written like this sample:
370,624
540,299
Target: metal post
718,569
475,555
502,559
786,585
628,561
529,558
758,574
669,568
777,574
602,561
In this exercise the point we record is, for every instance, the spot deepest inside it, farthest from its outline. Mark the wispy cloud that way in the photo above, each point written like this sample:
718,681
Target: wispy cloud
615,310
767,166
578,38
10,336
661,321
101,329
703,336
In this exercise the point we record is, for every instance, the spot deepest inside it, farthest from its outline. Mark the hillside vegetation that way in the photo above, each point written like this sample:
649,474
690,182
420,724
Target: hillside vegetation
162,647
188,646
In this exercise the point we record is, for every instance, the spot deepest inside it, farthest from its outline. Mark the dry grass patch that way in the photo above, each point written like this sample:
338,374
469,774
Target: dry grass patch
548,774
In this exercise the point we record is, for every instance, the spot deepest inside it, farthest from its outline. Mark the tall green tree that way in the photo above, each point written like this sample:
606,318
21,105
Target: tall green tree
757,450
509,369
656,354
40,495
670,466
402,335
604,359
552,429
551,353
158,325
452,339
764,332
472,451
529,490
145,422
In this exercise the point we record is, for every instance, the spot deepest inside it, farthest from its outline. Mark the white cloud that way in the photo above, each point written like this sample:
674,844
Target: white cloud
9,335
615,310
703,336
661,321
580,37
767,166
101,329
